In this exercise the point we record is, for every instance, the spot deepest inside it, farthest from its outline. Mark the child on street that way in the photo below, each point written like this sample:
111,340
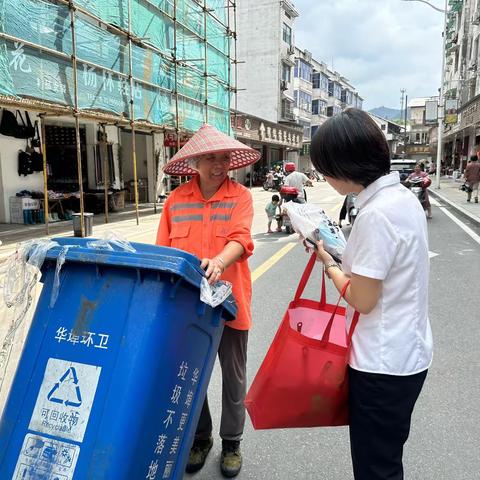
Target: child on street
271,210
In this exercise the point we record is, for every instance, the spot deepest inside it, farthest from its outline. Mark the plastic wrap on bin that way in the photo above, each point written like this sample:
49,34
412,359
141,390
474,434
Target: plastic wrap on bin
215,294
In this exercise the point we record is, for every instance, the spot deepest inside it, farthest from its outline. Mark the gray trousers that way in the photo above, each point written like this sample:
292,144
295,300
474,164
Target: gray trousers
232,354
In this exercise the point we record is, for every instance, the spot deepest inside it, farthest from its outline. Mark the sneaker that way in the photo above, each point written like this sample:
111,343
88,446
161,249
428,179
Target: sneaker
198,454
231,460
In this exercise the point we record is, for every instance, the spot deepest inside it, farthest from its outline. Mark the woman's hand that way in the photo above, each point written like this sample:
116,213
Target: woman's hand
322,254
213,269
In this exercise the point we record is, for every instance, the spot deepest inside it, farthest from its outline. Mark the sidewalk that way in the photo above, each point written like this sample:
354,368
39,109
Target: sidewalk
451,194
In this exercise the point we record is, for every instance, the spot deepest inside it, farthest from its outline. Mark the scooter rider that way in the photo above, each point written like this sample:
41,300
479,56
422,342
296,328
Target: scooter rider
417,174
297,180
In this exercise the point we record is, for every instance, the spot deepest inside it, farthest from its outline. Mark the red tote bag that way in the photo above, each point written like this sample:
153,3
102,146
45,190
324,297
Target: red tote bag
303,380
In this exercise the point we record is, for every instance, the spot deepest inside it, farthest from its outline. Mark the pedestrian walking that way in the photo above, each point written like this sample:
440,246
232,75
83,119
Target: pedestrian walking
386,260
271,211
211,217
472,177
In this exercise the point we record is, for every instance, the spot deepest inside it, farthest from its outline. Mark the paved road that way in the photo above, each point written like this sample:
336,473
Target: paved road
445,437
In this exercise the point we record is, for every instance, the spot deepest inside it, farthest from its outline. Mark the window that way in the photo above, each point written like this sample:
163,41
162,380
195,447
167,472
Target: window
314,130
287,111
316,80
303,70
287,34
330,88
417,137
306,129
303,100
383,126
319,107
329,111
286,72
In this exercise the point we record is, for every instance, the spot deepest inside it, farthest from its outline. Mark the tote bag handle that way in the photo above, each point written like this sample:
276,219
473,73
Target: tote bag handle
306,277
356,315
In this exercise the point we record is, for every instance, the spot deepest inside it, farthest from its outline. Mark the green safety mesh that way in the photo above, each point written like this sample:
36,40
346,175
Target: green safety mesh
103,59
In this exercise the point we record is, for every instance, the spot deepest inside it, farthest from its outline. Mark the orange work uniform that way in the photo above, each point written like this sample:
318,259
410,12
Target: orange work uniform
204,227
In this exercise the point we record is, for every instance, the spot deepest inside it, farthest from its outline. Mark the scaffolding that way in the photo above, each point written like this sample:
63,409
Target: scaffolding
163,66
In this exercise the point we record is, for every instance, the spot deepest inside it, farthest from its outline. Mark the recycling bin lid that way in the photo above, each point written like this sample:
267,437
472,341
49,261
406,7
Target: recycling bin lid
150,257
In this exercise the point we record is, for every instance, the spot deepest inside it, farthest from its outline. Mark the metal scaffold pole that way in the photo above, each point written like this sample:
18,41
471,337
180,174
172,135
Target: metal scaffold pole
106,172
132,109
77,120
43,144
175,66
205,13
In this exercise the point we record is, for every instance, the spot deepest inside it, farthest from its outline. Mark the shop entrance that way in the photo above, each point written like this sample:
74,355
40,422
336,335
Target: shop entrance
143,145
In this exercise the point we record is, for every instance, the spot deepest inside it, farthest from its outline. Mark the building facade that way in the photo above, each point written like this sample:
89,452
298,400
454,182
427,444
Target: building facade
116,85
266,53
319,93
394,133
461,84
422,130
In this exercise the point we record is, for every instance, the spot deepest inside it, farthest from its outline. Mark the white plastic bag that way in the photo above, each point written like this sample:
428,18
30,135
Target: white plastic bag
215,294
311,222
111,238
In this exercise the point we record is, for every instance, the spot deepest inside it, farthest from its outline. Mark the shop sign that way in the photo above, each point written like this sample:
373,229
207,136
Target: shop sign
170,140
418,149
471,114
451,115
254,129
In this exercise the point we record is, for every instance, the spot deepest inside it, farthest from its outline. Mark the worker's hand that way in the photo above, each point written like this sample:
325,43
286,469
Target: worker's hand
213,269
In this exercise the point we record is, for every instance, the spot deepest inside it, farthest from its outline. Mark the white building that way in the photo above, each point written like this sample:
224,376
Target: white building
265,50
319,93
394,133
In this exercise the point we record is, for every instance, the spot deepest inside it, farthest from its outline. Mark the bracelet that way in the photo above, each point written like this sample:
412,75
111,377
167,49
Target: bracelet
330,265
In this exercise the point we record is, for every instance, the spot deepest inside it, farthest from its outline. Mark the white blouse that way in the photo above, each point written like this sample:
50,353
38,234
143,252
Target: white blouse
389,242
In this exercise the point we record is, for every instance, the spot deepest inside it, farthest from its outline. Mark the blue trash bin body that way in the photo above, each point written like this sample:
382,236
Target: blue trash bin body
112,378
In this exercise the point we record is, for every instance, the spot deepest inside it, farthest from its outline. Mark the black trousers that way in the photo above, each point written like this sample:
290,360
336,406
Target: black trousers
381,409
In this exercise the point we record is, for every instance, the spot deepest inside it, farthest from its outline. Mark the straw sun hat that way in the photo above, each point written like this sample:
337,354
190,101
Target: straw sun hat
206,141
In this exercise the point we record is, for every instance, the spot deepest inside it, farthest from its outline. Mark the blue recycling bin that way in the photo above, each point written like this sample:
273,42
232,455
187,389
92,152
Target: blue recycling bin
112,378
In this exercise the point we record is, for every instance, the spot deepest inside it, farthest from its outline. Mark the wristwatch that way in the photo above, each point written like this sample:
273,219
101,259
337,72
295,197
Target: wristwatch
330,265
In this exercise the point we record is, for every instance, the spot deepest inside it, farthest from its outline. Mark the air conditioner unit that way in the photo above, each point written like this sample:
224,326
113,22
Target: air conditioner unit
284,85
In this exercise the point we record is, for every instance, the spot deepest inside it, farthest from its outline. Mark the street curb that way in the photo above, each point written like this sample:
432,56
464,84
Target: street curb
455,206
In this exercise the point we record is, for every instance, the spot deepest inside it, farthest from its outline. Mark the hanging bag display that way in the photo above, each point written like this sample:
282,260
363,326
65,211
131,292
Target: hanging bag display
12,127
24,128
303,380
8,124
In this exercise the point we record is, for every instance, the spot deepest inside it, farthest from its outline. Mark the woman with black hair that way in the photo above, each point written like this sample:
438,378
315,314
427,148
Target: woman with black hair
386,260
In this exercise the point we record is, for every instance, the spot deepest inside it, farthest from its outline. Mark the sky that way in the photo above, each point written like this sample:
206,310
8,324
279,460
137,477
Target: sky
380,46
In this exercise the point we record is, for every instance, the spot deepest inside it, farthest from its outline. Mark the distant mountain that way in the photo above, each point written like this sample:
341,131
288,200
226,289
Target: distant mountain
387,113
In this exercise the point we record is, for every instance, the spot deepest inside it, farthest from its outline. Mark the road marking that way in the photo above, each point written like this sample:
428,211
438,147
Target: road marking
432,254
265,266
466,229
